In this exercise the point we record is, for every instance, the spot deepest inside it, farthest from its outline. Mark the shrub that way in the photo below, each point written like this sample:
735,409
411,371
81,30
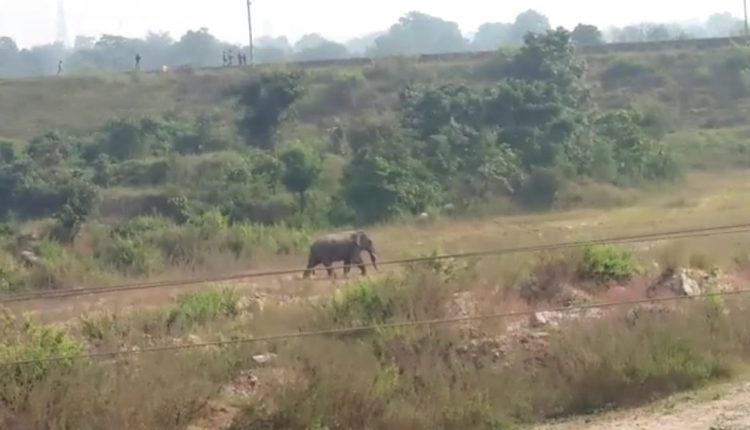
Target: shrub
606,263
361,304
27,340
100,327
203,307
423,293
131,256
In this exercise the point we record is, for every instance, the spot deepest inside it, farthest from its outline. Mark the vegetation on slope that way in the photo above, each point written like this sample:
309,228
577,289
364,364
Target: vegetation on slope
286,151
519,136
476,375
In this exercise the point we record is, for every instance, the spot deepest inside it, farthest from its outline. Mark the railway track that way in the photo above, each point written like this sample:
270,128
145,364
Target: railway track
608,48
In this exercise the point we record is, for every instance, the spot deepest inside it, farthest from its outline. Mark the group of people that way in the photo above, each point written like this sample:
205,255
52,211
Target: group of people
228,57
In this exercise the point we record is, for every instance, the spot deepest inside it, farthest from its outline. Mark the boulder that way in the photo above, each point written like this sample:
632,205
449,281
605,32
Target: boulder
689,282
264,358
546,319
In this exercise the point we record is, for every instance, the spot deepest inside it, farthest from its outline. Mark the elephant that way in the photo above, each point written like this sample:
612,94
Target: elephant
344,247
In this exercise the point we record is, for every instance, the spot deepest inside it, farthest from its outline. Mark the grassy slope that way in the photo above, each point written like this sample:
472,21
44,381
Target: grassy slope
679,81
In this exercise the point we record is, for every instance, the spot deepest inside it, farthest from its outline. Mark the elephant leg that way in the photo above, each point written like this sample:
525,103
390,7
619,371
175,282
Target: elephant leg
329,269
347,267
357,260
311,263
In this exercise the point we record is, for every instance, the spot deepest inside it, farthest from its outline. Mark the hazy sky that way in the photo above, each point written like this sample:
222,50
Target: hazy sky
34,21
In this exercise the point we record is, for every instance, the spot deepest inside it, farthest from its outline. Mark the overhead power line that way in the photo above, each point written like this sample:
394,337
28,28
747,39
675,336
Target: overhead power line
647,237
367,328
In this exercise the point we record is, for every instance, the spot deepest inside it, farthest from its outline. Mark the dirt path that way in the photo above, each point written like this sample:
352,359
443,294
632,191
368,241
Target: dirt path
280,289
722,407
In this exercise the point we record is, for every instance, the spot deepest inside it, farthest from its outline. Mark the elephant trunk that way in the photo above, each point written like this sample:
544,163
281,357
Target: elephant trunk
373,259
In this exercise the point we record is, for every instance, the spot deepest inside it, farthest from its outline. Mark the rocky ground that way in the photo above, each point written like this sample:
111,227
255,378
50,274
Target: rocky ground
723,407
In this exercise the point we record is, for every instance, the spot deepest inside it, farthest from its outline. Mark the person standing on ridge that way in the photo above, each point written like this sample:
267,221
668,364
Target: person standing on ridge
59,68
137,62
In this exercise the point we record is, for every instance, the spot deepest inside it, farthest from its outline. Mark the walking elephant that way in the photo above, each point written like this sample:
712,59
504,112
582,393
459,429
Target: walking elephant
344,247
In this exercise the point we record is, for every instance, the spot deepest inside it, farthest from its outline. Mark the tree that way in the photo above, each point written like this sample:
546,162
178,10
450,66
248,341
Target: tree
657,32
124,139
382,184
272,50
267,101
534,119
550,57
586,35
197,49
302,169
527,22
637,154
629,33
419,33
49,150
722,24
309,41
427,109
324,51
9,58
81,198
491,36
360,45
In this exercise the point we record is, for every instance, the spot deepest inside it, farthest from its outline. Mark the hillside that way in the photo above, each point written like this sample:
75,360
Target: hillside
684,81
139,178
263,157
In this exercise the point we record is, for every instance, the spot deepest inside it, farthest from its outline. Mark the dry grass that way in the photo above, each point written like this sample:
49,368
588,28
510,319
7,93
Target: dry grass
421,378
440,377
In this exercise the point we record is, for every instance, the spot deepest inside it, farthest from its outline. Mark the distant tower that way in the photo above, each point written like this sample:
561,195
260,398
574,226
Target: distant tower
62,24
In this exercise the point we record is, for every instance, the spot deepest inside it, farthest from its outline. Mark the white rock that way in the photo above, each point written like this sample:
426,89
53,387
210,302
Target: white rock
264,358
546,318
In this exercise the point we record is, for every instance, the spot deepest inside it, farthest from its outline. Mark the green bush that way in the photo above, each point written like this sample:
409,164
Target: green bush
362,304
27,340
131,256
203,307
606,263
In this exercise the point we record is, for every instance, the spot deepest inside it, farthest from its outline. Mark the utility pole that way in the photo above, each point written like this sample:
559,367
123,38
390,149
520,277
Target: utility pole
250,30
747,33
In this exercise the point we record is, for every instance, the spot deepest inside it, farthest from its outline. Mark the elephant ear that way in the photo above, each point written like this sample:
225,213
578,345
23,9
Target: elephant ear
357,238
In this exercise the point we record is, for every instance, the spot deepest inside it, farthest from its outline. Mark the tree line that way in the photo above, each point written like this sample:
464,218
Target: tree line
414,33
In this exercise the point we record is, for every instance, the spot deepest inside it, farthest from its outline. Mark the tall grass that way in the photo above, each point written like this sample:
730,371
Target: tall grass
473,376
422,377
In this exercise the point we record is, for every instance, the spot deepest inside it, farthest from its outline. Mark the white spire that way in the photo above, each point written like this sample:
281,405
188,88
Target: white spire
62,25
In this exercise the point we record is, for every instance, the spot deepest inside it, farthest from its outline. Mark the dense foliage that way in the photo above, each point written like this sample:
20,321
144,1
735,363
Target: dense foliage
522,136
